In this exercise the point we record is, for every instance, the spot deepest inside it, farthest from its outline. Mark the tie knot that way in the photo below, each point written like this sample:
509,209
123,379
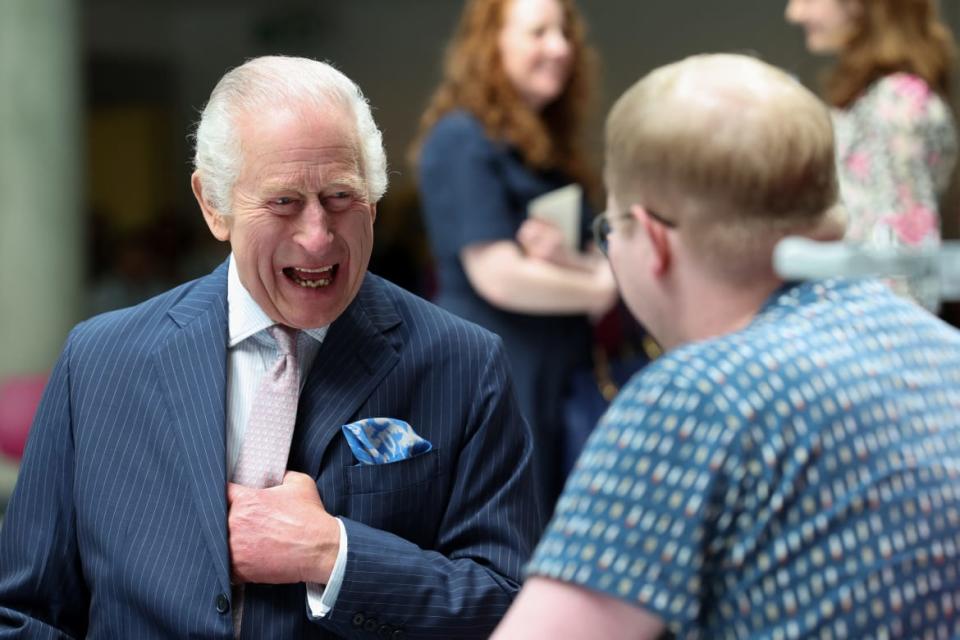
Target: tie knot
286,338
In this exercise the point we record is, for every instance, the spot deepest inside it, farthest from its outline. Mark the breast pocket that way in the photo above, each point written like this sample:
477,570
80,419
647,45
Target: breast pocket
404,497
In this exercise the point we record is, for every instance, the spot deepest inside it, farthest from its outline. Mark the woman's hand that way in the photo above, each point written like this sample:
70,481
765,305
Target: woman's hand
544,241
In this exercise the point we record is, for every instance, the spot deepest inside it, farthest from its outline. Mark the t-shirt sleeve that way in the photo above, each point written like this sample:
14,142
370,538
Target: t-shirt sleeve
462,192
633,519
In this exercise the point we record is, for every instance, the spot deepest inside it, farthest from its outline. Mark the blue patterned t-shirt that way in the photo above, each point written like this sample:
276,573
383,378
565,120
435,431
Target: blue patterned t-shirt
798,478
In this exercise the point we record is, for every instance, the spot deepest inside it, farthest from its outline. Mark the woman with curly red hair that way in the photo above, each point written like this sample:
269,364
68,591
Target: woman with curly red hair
502,128
896,136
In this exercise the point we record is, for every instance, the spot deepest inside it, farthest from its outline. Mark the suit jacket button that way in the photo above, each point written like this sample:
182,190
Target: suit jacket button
399,634
384,631
223,603
358,620
370,625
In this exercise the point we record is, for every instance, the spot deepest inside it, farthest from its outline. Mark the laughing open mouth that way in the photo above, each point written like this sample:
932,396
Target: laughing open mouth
312,278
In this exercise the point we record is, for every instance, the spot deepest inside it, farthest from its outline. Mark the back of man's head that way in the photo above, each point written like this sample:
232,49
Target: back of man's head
264,84
733,150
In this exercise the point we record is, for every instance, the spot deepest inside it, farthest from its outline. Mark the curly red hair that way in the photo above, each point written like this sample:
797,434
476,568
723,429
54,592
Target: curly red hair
474,80
892,36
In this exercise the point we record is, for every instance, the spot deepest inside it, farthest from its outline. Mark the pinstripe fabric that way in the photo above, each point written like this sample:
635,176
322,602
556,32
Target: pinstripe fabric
117,527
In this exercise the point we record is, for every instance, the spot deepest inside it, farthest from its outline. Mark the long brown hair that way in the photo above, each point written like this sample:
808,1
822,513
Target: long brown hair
892,36
474,79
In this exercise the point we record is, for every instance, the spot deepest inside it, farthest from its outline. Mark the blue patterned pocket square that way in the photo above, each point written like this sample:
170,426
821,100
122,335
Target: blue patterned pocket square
382,440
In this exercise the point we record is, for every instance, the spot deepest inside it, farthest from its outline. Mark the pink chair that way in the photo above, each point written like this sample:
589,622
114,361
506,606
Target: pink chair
19,398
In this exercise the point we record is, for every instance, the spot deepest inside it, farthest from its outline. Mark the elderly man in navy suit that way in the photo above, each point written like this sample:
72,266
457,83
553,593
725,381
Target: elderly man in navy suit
128,520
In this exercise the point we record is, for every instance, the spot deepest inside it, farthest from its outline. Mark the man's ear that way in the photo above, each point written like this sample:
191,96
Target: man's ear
215,220
661,254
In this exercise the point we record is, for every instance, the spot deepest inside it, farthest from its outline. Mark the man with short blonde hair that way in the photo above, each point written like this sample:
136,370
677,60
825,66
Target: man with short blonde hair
787,469
716,158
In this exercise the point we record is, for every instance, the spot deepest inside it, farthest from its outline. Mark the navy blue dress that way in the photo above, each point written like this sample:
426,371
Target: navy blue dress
475,190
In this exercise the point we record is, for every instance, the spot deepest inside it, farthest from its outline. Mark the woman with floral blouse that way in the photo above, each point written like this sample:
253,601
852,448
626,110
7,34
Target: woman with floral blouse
896,136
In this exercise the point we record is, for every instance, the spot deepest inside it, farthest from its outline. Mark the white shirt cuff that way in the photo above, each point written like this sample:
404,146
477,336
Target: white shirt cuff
320,599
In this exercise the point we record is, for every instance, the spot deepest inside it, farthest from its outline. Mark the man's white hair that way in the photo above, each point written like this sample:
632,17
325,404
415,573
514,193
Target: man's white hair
286,81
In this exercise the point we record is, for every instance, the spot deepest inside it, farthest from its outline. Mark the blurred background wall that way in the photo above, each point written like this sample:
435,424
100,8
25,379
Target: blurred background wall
98,97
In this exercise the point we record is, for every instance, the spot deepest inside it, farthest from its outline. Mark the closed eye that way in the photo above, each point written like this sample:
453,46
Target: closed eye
283,205
339,201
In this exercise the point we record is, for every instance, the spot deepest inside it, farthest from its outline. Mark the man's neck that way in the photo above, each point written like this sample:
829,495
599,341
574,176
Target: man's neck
708,307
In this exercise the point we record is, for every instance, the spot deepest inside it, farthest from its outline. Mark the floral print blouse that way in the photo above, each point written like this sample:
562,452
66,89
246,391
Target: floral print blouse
896,148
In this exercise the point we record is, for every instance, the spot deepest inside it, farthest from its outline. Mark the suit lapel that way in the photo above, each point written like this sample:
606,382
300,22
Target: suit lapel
192,366
359,350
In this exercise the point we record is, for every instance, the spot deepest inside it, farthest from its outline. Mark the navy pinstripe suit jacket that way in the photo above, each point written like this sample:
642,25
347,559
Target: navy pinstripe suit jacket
118,524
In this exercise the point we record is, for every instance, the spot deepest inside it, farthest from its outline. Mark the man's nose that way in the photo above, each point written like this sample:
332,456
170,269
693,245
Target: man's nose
314,232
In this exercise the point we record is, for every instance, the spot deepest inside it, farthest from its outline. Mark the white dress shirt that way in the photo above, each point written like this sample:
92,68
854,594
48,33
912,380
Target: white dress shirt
250,353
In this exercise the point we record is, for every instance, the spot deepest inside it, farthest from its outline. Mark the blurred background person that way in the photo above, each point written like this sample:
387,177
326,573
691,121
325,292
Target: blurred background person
896,137
502,128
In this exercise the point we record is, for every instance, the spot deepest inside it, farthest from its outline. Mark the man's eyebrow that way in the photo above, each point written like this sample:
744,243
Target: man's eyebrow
280,185
352,181
295,183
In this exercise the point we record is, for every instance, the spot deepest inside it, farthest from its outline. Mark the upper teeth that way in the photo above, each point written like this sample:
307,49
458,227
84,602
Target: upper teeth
320,270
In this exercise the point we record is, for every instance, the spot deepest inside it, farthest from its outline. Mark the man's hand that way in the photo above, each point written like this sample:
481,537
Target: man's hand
281,535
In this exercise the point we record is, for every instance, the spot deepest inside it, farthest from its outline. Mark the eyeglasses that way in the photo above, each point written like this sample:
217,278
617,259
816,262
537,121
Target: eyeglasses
601,225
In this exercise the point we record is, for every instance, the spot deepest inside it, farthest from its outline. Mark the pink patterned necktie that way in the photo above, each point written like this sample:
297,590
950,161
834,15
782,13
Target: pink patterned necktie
266,442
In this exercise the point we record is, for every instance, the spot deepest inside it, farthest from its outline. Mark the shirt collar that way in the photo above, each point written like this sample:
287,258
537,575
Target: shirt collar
245,317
